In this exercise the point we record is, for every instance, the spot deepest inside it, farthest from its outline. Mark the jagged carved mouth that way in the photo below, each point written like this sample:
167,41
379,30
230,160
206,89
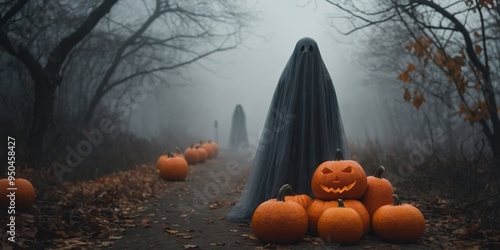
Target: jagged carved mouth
337,190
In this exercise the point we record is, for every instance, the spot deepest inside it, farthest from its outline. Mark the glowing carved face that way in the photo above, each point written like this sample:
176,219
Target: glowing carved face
339,179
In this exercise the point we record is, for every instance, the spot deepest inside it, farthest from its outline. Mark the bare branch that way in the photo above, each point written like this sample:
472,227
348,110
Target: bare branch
12,12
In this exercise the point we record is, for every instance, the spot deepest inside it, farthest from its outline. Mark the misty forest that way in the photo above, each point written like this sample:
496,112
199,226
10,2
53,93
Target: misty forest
307,124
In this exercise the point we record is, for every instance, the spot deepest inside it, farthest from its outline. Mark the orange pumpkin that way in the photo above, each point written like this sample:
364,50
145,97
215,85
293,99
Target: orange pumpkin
399,223
318,206
191,154
161,160
24,193
340,225
378,192
339,179
215,146
303,199
203,154
173,168
279,221
210,149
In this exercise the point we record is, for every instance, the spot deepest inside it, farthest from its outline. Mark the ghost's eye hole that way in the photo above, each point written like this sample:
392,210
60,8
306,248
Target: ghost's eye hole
302,48
310,48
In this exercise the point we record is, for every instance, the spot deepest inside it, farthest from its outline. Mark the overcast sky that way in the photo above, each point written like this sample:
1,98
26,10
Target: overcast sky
249,74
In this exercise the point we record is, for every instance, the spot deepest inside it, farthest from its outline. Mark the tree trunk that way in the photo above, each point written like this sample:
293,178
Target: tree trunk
495,147
42,115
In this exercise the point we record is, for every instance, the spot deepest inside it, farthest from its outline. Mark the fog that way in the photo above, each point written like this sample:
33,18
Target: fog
210,90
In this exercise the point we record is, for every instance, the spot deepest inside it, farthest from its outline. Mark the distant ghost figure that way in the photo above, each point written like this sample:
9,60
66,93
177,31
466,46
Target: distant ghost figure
238,134
303,128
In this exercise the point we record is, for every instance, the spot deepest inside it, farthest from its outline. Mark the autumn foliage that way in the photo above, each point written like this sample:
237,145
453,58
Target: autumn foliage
455,68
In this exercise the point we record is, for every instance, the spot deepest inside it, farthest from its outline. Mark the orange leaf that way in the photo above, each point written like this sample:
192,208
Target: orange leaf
411,67
478,49
418,100
462,108
459,60
404,77
407,95
461,84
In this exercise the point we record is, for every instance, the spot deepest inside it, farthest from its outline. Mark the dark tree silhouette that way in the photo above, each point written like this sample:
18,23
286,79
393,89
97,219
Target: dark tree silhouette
190,32
46,75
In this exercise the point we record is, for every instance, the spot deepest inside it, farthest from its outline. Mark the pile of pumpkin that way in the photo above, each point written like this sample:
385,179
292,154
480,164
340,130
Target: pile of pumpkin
348,205
175,166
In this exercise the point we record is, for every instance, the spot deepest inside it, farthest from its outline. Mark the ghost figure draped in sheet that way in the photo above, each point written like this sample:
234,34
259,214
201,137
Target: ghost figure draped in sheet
303,128
238,136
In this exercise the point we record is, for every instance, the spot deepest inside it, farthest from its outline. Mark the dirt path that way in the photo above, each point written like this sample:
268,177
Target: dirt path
193,214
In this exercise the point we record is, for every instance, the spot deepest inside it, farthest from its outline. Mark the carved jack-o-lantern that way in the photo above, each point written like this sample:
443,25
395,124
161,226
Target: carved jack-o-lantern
339,179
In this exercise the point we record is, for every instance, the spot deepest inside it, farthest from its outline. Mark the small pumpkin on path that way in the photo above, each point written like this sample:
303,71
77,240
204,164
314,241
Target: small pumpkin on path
191,154
172,168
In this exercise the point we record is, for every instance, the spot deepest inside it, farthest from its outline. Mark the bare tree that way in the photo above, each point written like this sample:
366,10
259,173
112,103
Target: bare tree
168,35
45,71
452,43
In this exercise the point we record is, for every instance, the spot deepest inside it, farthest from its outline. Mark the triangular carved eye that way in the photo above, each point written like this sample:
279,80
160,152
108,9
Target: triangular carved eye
347,170
326,171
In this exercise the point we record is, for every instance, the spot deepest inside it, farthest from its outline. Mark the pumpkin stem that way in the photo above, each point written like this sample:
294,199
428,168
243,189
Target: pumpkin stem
284,191
341,203
378,173
178,150
397,201
338,155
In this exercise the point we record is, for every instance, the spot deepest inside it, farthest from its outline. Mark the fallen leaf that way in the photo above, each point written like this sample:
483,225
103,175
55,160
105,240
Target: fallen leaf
106,243
190,246
461,231
217,244
115,237
249,236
